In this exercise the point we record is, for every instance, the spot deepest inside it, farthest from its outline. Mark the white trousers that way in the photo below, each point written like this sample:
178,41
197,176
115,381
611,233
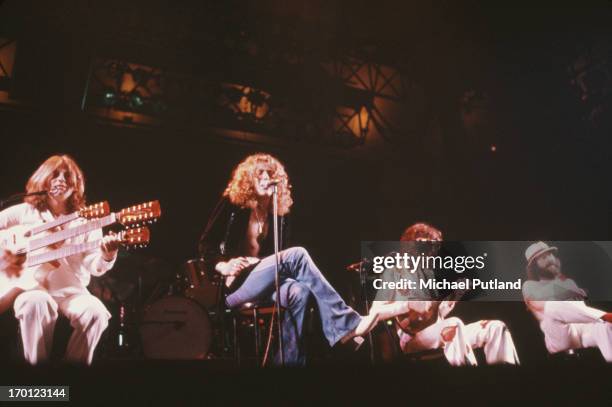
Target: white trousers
573,325
36,311
458,341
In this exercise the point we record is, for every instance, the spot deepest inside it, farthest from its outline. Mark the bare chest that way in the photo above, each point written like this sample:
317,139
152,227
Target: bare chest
256,232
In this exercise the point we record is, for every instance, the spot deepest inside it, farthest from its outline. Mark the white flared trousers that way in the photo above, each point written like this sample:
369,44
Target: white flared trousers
460,340
574,325
36,311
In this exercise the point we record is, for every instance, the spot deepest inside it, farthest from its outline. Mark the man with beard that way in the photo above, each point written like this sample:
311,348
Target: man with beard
558,304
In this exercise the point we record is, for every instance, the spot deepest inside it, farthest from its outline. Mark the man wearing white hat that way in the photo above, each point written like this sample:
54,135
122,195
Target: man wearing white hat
558,304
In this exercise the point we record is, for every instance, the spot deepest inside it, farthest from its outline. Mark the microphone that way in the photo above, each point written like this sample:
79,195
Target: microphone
24,195
355,267
21,195
274,181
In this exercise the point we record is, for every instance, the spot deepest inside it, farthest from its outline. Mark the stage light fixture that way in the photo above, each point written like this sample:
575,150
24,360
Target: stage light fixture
109,97
364,121
135,99
245,102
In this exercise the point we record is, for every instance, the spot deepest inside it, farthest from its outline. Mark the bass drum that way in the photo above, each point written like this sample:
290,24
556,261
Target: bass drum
175,328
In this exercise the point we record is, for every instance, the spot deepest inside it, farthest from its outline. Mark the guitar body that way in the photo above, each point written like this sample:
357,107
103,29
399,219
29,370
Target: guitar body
29,279
31,276
16,238
413,322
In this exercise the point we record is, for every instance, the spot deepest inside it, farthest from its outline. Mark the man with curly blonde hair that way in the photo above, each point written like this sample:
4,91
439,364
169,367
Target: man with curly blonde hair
238,241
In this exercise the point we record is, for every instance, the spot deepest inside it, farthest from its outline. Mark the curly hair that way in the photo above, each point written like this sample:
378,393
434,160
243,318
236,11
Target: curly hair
241,189
421,231
40,180
414,236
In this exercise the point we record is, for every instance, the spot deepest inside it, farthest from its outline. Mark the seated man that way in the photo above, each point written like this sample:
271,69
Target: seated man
423,324
239,242
63,287
558,304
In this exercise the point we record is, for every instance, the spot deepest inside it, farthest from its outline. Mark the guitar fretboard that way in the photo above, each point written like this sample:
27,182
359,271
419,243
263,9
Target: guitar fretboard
66,251
71,232
54,223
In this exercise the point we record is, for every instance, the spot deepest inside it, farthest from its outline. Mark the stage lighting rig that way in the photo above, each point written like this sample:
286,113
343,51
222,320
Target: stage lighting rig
125,87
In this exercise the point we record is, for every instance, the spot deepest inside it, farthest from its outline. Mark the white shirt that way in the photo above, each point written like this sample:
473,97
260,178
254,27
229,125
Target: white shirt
74,273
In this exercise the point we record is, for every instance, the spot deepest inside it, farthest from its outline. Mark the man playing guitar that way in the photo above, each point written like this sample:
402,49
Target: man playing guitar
63,285
422,324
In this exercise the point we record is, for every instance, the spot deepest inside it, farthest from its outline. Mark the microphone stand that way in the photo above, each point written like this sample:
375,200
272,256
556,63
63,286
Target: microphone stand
276,274
364,292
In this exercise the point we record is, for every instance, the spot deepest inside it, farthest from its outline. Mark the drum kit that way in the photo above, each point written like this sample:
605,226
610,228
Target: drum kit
165,316
187,323
159,314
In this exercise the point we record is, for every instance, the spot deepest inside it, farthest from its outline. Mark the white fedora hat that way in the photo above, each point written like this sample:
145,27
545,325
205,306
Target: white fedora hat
537,249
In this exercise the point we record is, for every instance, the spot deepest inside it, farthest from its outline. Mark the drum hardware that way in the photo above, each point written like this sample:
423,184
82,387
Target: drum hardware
202,284
361,268
122,337
185,318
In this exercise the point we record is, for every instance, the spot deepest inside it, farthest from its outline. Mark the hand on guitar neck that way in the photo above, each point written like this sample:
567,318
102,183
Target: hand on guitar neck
110,246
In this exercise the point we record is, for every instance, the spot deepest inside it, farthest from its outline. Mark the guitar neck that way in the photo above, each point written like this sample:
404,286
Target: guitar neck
62,252
54,223
71,232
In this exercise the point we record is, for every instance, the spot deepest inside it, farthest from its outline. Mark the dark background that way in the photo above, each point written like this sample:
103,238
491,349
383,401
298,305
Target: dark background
547,179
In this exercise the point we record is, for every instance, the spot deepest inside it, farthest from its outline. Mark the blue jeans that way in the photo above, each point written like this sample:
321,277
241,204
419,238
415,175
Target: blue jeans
299,278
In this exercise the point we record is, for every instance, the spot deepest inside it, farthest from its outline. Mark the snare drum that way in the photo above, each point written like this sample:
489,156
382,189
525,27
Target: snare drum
203,283
175,328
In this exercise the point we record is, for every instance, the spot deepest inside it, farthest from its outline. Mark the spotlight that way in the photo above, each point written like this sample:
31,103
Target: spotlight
109,97
135,100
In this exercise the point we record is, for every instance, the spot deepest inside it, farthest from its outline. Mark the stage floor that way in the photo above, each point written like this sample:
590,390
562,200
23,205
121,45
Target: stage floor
215,382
